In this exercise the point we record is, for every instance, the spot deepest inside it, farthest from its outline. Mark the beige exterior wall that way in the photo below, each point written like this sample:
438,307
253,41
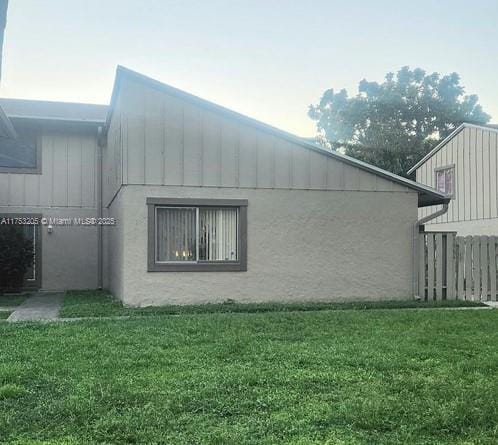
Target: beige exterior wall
302,245
66,188
473,152
160,139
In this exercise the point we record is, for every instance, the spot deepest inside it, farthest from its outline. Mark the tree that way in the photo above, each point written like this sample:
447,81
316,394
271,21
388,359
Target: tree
395,123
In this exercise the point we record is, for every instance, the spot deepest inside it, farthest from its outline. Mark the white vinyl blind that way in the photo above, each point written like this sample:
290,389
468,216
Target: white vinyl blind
176,234
218,234
196,234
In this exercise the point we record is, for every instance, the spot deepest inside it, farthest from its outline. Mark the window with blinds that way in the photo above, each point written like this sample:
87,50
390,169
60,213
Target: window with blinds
197,234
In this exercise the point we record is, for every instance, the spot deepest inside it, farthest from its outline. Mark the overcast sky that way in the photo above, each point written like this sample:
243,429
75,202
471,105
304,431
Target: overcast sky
268,59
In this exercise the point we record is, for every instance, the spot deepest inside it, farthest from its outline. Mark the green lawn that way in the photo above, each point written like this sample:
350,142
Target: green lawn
102,304
12,300
4,314
333,377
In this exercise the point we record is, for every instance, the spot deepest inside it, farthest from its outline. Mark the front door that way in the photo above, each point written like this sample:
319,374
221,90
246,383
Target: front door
30,225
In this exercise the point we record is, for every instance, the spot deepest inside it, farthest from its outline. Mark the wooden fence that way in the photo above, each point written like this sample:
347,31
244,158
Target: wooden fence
455,267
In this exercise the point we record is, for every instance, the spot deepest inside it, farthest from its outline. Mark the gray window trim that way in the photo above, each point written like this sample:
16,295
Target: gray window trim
219,266
447,167
28,170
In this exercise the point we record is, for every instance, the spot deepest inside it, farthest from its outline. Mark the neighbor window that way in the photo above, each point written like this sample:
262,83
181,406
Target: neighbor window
445,180
189,234
21,155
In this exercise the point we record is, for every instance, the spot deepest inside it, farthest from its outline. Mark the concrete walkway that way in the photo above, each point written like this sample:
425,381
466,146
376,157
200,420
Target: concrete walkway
39,307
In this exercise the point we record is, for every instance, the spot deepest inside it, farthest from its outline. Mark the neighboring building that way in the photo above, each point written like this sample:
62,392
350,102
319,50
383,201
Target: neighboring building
209,204
465,166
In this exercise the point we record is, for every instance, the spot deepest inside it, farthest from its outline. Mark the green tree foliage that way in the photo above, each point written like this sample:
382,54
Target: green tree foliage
395,123
16,255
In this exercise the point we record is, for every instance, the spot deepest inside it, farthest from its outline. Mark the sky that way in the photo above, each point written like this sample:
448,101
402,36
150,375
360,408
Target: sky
268,59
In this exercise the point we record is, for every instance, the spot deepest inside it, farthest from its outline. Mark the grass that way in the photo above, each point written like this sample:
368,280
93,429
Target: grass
102,304
7,300
4,314
302,378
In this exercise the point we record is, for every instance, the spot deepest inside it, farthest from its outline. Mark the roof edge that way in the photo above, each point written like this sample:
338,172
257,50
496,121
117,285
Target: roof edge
448,138
427,195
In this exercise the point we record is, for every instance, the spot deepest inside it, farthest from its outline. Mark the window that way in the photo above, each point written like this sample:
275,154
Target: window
21,155
445,180
197,235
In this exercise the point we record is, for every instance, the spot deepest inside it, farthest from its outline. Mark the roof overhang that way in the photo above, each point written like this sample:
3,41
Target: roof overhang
57,112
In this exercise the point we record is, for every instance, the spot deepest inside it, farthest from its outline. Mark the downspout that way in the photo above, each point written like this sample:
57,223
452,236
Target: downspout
416,228
100,255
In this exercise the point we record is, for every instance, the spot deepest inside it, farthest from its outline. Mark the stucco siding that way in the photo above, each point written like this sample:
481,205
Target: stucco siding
113,241
165,140
302,245
473,152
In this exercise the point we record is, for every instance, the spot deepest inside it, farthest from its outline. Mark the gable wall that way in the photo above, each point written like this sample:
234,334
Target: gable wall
68,175
473,151
165,140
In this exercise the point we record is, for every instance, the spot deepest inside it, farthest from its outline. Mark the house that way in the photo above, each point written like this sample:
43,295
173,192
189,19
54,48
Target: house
465,166
163,197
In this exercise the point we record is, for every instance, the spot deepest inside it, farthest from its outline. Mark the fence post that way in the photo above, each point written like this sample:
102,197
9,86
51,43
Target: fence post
450,266
421,266
430,266
439,266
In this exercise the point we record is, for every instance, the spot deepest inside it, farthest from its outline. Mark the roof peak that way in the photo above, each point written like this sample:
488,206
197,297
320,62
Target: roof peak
487,127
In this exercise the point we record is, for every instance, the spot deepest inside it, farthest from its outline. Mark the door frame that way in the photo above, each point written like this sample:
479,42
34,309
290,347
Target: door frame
37,282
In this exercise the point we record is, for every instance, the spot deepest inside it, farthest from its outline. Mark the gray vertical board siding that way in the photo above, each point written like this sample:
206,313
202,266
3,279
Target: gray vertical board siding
493,172
283,164
192,146
60,172
460,178
134,146
229,156
486,183
153,139
265,151
198,147
74,176
173,151
247,158
89,167
211,143
473,152
112,158
67,177
318,171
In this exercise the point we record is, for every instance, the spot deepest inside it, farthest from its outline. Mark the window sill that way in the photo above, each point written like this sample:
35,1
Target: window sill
198,267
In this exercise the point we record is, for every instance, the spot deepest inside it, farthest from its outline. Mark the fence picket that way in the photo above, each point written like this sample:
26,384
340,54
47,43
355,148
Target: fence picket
421,273
430,266
460,261
484,267
476,256
439,266
468,267
450,267
492,266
